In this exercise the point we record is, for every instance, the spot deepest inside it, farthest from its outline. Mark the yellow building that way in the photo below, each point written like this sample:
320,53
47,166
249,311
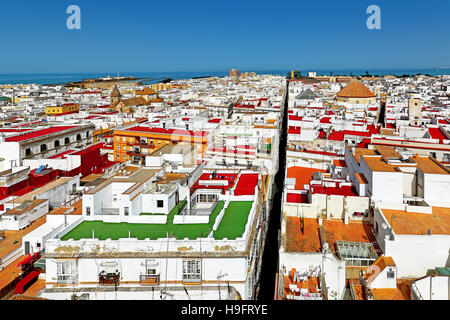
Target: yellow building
63,109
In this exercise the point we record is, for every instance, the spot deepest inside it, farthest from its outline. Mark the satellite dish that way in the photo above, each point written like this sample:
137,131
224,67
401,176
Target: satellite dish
384,226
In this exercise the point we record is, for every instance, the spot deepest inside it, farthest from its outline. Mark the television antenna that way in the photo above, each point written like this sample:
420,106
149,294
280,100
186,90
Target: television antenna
220,276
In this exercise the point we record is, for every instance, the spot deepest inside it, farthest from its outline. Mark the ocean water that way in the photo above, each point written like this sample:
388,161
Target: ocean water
154,77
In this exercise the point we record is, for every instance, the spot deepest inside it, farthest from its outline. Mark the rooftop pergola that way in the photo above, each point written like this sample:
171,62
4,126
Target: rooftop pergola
357,253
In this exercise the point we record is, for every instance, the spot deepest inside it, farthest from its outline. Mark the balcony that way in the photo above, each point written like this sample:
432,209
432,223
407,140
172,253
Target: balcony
134,153
192,278
109,212
109,278
139,143
149,279
67,279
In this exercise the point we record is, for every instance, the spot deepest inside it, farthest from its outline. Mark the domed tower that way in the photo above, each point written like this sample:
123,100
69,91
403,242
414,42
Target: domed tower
115,97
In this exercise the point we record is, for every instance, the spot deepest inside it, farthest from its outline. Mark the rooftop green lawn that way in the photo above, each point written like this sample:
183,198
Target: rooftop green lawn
114,231
234,220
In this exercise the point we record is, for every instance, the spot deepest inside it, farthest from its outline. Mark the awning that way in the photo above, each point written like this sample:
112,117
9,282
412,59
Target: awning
31,276
25,261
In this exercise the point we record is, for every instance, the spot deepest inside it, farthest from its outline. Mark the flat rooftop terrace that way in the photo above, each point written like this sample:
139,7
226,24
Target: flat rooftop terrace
36,192
231,227
309,240
38,133
428,165
438,222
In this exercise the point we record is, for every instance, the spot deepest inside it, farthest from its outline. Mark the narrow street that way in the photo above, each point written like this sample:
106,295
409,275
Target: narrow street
270,255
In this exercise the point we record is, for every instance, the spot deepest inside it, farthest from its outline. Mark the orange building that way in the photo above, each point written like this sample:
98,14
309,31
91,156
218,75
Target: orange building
167,86
136,142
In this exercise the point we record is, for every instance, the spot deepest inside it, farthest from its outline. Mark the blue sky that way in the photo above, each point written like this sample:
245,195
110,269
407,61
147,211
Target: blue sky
199,35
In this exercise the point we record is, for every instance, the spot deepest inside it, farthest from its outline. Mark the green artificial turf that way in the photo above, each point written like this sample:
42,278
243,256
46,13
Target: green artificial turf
114,231
234,220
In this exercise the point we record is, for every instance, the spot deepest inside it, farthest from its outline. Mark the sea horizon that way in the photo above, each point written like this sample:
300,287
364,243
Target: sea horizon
154,77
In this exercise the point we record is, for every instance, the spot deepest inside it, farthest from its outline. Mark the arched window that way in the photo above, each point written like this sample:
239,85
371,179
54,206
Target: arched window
67,140
43,147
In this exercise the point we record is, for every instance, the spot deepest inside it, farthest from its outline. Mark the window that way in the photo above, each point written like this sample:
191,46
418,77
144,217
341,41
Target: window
88,211
28,152
192,271
160,203
446,157
66,271
126,211
150,267
391,274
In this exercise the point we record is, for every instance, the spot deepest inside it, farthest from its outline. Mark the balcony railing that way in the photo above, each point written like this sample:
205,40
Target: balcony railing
109,211
149,278
202,211
67,279
192,278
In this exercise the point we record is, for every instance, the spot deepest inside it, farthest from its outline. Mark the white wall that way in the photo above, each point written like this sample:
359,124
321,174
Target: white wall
382,281
437,189
414,255
432,288
17,222
10,151
170,269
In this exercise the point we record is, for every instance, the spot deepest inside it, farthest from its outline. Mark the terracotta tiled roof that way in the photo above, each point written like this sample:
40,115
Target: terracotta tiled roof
356,89
298,241
402,292
419,223
133,102
335,230
146,91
